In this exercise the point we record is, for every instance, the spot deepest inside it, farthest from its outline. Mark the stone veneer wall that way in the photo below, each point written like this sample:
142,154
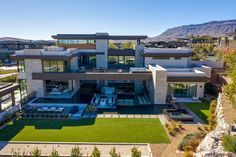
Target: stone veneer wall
139,61
101,60
159,84
34,65
211,146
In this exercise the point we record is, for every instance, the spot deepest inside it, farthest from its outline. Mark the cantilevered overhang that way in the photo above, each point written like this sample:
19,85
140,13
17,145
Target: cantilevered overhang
8,88
92,76
100,36
187,78
48,57
167,52
90,53
118,52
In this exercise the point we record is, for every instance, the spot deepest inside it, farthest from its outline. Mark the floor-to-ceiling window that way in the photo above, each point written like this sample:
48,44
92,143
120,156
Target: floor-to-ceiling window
87,61
55,66
182,89
120,62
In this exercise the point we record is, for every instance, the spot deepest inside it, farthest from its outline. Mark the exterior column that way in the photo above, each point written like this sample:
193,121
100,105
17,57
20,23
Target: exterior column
159,78
139,60
13,99
102,46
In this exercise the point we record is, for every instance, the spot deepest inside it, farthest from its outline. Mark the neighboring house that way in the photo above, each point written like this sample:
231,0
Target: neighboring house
228,41
83,67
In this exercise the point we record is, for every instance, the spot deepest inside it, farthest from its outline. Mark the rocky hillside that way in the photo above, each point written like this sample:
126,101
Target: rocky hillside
213,28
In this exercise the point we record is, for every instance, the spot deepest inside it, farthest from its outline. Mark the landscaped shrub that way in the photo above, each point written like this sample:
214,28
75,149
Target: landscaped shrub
17,153
96,152
91,109
75,152
36,152
173,127
211,89
229,143
12,78
54,153
199,128
135,152
191,141
188,154
113,153
212,117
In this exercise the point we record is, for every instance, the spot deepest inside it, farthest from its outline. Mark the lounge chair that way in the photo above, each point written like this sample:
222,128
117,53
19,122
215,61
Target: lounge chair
195,98
173,98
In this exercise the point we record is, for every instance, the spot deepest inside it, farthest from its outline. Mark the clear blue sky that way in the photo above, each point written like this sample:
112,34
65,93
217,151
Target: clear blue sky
39,19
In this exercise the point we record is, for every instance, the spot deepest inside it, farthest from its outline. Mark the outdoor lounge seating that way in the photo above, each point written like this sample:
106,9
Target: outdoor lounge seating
196,97
104,101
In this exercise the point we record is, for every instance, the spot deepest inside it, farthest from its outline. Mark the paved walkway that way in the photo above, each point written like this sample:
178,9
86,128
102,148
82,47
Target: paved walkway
64,149
161,117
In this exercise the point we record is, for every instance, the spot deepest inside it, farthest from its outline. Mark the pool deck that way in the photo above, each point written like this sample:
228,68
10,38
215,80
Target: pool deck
64,148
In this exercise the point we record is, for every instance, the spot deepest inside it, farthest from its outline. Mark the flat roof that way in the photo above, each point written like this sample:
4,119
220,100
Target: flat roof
167,52
99,36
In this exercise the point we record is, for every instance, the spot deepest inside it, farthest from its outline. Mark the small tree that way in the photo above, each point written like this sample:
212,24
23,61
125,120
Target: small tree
113,153
135,152
91,108
96,152
36,152
17,153
75,152
54,153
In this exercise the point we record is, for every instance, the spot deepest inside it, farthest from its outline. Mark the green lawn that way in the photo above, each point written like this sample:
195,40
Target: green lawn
201,109
87,130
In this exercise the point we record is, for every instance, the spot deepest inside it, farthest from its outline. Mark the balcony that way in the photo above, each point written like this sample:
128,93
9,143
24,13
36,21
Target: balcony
96,74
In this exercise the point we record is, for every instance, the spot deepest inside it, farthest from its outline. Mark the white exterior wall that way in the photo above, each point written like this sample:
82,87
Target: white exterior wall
171,63
207,70
34,66
101,60
159,89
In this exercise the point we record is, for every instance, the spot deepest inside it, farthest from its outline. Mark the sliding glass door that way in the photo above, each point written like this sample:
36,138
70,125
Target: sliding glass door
182,90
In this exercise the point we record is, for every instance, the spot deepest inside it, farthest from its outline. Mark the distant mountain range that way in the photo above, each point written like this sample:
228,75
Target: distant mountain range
10,39
213,28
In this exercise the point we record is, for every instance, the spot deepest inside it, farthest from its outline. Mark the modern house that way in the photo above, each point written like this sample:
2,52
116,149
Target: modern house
228,41
109,70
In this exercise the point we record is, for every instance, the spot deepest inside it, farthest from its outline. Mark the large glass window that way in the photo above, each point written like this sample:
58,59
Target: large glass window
21,65
55,66
182,90
120,59
76,41
87,61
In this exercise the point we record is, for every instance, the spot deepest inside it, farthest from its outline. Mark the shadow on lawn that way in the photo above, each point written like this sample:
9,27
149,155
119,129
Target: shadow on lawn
14,128
199,108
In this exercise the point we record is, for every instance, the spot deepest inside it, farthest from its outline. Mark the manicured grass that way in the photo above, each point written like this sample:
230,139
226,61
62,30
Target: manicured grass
201,109
86,130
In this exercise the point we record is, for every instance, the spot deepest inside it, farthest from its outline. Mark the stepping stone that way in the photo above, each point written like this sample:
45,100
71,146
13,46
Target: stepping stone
123,116
100,115
130,116
138,116
153,116
115,116
145,116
